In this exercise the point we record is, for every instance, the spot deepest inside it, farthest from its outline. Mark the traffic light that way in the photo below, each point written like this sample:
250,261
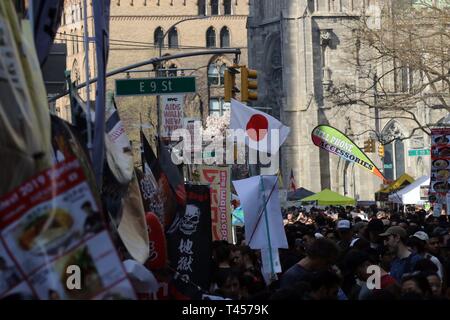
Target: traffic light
369,146
230,83
249,84
381,151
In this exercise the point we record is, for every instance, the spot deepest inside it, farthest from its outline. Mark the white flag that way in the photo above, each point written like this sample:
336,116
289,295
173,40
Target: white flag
263,132
258,234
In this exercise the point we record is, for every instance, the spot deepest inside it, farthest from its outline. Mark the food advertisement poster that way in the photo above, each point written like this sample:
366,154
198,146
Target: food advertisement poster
219,180
440,167
53,242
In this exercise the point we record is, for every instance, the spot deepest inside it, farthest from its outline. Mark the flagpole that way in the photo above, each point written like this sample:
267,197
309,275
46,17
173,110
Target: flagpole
31,15
88,93
261,184
141,133
261,212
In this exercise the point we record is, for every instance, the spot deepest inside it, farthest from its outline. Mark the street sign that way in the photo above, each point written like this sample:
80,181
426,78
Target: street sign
418,152
155,86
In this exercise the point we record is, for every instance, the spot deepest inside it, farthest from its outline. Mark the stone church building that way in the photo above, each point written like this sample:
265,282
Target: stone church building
300,48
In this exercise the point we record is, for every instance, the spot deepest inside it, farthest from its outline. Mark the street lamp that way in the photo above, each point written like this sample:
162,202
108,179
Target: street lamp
161,40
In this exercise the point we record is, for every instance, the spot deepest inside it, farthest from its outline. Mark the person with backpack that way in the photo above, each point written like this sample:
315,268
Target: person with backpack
395,238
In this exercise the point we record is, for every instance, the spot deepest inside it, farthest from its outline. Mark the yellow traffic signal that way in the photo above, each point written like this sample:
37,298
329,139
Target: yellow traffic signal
366,145
230,83
249,84
381,151
369,146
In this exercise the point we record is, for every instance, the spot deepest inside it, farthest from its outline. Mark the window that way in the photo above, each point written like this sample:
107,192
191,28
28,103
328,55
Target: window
214,7
81,12
202,7
227,7
73,16
210,38
75,39
216,74
217,106
213,74
82,38
224,38
64,18
173,38
158,36
72,38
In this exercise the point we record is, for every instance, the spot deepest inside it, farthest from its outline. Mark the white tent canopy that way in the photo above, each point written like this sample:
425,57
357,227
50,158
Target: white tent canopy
411,193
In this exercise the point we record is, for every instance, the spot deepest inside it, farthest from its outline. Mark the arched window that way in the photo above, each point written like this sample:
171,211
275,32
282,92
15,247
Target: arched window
202,7
211,38
223,67
224,38
394,151
81,12
213,74
214,7
173,38
216,73
158,36
227,7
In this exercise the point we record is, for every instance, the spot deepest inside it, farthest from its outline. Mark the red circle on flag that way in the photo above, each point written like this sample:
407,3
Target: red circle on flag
257,127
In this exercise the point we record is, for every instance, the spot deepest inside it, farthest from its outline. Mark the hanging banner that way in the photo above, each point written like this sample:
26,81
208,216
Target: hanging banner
334,141
51,234
440,168
172,109
219,180
47,17
157,195
263,226
190,244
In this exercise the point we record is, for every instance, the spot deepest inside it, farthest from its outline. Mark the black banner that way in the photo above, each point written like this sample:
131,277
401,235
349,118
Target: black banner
176,179
47,17
161,201
189,243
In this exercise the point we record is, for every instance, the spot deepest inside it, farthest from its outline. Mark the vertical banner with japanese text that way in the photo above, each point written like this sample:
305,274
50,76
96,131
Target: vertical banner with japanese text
219,180
440,169
190,244
172,114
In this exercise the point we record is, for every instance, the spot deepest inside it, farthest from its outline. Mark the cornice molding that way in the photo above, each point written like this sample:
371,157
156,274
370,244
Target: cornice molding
176,18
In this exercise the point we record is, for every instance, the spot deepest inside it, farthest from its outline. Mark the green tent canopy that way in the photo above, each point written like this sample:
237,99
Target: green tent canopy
327,197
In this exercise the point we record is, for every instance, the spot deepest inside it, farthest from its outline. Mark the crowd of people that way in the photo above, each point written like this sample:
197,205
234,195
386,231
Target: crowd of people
344,254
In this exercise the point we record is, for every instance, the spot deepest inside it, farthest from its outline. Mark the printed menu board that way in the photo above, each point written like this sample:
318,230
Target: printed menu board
53,242
440,167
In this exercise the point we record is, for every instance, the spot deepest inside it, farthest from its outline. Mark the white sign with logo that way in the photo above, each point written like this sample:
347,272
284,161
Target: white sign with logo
172,109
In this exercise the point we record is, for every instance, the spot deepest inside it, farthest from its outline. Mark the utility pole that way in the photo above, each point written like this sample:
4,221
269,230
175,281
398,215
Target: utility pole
88,91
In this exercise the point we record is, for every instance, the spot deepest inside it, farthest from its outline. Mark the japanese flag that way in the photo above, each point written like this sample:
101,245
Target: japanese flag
263,132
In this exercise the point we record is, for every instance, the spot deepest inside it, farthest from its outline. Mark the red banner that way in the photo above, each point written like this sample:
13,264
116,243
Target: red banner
219,180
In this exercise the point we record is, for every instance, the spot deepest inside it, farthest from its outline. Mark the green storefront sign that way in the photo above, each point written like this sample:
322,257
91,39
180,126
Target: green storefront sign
418,152
155,86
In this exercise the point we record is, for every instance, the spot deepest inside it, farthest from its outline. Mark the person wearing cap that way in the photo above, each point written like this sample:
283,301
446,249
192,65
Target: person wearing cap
395,238
344,230
419,243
